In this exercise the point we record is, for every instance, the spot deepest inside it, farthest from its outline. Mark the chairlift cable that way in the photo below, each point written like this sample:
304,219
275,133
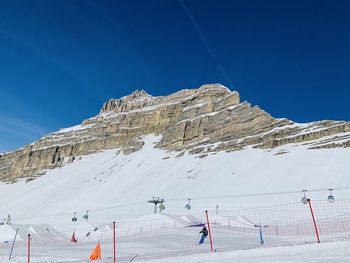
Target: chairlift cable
195,198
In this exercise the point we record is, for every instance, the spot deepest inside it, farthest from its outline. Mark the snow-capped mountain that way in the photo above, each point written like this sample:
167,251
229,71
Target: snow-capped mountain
201,147
201,122
202,144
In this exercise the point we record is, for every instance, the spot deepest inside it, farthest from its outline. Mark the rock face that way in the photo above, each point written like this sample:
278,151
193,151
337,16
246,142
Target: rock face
201,121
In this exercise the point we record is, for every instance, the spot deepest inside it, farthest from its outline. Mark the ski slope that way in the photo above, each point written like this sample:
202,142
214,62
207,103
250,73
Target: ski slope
114,186
321,253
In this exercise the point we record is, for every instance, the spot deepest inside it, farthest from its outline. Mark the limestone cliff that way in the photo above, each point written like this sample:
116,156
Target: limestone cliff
201,121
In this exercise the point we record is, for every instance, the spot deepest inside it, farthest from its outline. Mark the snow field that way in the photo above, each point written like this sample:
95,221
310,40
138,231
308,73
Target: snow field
312,253
116,187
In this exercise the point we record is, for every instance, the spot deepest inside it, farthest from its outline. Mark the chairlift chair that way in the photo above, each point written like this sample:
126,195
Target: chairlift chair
8,220
74,218
188,205
86,216
161,206
304,199
331,196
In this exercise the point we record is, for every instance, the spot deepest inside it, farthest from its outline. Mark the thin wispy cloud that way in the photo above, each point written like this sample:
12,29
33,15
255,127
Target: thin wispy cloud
10,124
15,133
205,42
23,42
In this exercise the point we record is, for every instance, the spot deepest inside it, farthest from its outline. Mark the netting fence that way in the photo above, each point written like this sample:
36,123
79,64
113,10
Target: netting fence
163,235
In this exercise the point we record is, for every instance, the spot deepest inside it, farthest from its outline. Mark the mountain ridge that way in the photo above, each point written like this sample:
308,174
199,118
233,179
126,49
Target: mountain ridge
199,121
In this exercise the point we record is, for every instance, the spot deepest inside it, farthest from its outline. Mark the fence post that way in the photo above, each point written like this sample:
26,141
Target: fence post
29,248
210,238
314,221
13,243
114,244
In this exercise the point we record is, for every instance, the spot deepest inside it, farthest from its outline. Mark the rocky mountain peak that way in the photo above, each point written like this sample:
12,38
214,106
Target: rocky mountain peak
135,100
140,99
198,121
136,95
216,86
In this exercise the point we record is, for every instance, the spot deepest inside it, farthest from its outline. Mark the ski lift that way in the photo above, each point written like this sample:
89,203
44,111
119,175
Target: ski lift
8,220
74,218
155,201
304,199
86,216
330,197
161,206
188,205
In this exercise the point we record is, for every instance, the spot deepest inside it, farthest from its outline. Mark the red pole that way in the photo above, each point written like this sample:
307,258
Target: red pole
210,238
29,248
313,219
114,245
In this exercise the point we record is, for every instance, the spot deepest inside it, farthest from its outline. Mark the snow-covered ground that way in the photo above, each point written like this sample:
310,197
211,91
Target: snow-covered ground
116,187
335,252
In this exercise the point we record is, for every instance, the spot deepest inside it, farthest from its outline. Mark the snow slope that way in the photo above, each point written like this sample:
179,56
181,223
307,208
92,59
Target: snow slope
116,187
113,186
314,253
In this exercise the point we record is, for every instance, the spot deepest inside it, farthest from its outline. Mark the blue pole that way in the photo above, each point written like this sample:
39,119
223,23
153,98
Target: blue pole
261,236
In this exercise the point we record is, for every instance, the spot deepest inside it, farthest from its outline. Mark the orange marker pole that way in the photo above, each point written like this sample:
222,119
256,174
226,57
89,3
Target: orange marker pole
29,248
210,238
313,219
114,244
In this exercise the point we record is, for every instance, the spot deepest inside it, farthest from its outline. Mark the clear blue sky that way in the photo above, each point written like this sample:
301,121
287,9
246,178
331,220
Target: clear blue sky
60,60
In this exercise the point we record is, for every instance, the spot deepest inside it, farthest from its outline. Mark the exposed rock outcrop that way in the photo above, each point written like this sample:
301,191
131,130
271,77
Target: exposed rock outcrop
200,121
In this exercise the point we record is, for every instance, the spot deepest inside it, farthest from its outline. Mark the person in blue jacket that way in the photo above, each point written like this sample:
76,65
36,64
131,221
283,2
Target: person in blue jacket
204,233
